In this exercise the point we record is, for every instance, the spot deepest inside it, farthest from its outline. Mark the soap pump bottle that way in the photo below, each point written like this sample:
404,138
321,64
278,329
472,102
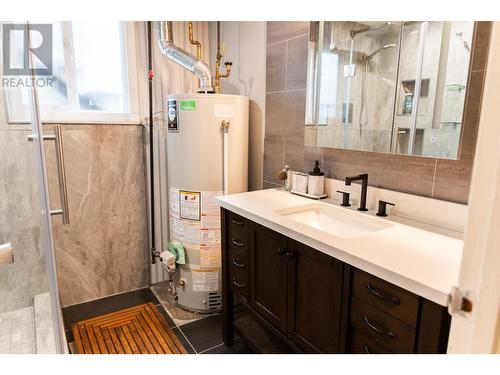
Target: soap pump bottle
316,181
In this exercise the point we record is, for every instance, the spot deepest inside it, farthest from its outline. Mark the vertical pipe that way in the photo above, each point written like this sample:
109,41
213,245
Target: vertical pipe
225,157
151,145
418,82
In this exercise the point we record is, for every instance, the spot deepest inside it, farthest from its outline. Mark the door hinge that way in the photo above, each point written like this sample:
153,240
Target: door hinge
459,302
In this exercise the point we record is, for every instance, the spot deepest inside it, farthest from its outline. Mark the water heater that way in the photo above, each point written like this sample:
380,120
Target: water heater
207,148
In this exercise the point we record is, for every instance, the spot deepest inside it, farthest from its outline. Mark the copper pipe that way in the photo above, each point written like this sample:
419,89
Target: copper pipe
228,65
194,42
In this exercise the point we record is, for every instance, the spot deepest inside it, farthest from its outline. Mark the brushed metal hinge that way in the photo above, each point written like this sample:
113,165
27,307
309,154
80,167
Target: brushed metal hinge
459,302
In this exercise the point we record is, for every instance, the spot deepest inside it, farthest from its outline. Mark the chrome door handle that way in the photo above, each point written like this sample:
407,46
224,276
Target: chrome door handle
61,173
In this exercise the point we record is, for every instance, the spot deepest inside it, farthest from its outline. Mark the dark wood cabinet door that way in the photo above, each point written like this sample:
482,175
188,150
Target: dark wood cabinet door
268,275
315,300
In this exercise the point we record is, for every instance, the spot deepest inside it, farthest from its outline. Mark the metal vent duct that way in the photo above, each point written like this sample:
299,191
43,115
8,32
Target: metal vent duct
183,58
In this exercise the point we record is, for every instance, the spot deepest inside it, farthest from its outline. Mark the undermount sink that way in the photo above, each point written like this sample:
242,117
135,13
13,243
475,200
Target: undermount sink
338,222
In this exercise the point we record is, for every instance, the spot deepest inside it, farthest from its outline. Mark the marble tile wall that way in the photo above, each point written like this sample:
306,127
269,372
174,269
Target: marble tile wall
285,112
20,222
104,249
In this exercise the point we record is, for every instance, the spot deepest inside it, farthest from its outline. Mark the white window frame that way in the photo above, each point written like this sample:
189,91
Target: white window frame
132,116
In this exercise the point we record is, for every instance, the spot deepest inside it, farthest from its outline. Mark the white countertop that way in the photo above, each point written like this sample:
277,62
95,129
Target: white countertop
423,261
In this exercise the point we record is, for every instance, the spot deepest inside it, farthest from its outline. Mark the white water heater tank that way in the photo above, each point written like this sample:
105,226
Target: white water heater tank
207,148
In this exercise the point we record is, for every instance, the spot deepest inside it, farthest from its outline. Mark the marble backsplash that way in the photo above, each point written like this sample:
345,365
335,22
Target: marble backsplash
104,249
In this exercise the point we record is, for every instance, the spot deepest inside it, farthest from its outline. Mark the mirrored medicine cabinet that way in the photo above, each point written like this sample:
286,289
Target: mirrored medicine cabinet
395,87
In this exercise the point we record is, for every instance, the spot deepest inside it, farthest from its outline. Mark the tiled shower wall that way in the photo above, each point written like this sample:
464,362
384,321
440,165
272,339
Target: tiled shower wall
104,249
20,222
286,77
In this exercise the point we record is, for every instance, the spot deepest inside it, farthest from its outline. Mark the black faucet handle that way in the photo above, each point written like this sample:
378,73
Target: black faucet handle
345,198
382,207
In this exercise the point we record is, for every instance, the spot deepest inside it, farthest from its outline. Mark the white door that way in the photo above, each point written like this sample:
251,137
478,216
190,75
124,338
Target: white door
479,330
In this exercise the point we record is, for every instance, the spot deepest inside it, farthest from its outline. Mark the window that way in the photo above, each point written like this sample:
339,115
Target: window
93,75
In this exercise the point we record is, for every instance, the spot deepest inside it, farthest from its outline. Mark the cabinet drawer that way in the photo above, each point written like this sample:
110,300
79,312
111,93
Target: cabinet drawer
238,260
238,225
381,327
362,344
238,282
385,296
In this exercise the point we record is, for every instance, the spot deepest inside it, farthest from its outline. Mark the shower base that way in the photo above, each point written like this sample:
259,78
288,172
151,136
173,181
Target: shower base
28,330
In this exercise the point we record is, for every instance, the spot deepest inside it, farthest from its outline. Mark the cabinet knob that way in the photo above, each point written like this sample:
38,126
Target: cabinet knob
281,251
290,254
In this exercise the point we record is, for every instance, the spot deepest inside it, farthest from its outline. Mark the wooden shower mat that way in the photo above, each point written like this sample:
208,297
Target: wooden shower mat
137,330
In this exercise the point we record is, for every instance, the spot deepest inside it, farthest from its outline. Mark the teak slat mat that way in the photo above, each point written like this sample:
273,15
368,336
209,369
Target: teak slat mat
137,330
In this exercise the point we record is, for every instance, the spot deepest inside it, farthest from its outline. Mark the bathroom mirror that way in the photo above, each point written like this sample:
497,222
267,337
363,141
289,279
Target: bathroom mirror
362,83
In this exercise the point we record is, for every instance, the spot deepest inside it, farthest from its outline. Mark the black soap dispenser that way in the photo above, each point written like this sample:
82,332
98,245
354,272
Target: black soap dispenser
316,181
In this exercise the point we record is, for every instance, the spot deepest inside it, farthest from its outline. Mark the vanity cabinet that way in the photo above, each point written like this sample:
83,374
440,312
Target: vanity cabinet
296,289
293,298
268,276
314,299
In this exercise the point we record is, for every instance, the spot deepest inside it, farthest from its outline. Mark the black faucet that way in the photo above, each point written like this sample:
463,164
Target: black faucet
364,185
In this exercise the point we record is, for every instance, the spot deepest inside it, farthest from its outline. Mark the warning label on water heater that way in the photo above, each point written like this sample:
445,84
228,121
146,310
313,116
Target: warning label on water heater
205,280
173,125
195,221
190,205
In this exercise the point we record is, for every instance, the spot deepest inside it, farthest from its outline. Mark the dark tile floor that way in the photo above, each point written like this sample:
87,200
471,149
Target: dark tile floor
203,336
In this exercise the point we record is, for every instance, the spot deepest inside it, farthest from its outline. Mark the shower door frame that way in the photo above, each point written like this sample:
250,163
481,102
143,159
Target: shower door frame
47,237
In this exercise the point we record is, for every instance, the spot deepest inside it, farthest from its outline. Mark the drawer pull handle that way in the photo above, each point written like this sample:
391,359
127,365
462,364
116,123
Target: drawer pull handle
366,349
377,329
238,284
237,222
382,296
236,243
239,265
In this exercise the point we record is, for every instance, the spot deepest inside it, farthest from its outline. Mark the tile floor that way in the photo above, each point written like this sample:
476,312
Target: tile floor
199,333
17,332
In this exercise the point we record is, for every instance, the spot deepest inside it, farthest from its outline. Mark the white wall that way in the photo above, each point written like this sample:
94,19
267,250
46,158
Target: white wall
245,47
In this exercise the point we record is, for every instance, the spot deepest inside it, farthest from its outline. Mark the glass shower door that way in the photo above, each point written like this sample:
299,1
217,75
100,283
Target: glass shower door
30,315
